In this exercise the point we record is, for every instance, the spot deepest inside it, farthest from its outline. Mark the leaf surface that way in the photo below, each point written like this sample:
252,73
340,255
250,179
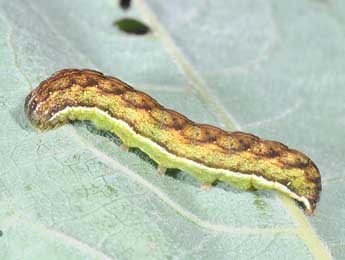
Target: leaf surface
275,69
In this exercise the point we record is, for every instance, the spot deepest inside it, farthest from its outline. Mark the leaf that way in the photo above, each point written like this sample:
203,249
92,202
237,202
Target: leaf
273,69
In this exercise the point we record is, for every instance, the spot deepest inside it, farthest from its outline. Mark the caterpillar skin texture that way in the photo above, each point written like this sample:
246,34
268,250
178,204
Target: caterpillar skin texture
172,140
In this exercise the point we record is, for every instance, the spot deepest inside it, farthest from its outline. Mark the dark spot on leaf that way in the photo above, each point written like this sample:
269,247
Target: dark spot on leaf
1,233
111,189
125,4
132,26
27,187
259,203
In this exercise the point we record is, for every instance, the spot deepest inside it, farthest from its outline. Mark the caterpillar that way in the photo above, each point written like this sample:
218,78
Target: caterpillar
210,154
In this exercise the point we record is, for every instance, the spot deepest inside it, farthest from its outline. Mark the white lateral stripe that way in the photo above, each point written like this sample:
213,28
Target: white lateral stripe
278,186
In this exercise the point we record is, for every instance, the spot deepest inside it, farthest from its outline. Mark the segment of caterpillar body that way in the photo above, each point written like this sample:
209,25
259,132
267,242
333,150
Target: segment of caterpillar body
171,139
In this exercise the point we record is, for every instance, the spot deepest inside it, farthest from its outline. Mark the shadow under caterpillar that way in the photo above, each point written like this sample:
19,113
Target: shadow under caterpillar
172,140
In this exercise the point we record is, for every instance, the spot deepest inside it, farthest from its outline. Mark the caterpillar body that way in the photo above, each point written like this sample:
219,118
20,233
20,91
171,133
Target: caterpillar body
172,140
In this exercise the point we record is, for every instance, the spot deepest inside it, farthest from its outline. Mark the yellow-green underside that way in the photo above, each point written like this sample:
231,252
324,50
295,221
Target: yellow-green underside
166,159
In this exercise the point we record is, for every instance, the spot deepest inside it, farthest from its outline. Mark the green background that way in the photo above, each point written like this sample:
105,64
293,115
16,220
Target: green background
271,68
